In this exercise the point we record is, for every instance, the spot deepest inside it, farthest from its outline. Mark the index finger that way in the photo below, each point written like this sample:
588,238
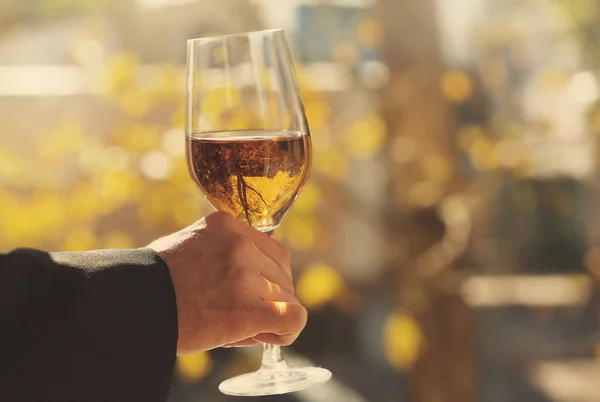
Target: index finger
263,241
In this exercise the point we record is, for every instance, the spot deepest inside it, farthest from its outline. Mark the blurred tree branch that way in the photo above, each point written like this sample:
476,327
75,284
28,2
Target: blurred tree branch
445,370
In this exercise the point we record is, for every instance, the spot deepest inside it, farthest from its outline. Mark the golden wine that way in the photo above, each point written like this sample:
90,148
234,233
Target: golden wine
254,175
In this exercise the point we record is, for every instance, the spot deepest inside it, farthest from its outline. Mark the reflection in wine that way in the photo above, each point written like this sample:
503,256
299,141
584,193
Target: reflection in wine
253,175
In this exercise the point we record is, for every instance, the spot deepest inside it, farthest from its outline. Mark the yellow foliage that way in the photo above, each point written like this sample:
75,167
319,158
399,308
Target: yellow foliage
194,367
318,285
83,203
188,205
137,138
318,114
280,233
243,118
117,239
26,222
79,240
180,176
303,231
87,176
121,73
167,83
403,341
331,162
8,200
365,138
134,103
47,213
218,101
61,142
116,188
153,210
17,230
309,198
305,82
184,216
9,165
178,116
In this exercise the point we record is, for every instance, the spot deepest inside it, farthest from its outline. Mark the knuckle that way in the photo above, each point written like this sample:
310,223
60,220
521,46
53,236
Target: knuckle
219,220
286,255
242,279
299,316
287,340
296,321
241,246
286,285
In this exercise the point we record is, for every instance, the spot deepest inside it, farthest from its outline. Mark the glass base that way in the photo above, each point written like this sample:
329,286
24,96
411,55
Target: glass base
272,382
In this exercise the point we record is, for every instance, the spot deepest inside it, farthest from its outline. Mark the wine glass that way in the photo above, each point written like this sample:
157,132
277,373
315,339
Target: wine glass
249,153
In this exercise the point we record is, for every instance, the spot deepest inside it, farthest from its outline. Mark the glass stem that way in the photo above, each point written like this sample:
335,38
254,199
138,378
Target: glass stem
272,356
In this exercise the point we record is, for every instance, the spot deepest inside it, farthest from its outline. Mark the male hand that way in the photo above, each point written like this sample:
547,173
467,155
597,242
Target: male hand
233,285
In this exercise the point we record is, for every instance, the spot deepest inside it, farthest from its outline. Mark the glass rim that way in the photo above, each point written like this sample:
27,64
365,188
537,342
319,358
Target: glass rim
235,35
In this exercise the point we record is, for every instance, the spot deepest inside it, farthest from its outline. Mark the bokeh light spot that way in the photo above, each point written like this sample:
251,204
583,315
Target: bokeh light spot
403,341
318,285
194,367
457,86
370,33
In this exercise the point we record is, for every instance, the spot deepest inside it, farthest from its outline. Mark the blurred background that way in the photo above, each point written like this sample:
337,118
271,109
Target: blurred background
447,243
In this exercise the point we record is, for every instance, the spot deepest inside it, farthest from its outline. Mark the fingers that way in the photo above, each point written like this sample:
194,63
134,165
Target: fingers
276,296
256,267
272,292
262,283
278,318
270,247
242,343
279,323
273,339
278,277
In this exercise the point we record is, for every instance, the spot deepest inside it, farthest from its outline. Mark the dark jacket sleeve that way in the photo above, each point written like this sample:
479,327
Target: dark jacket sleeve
86,327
